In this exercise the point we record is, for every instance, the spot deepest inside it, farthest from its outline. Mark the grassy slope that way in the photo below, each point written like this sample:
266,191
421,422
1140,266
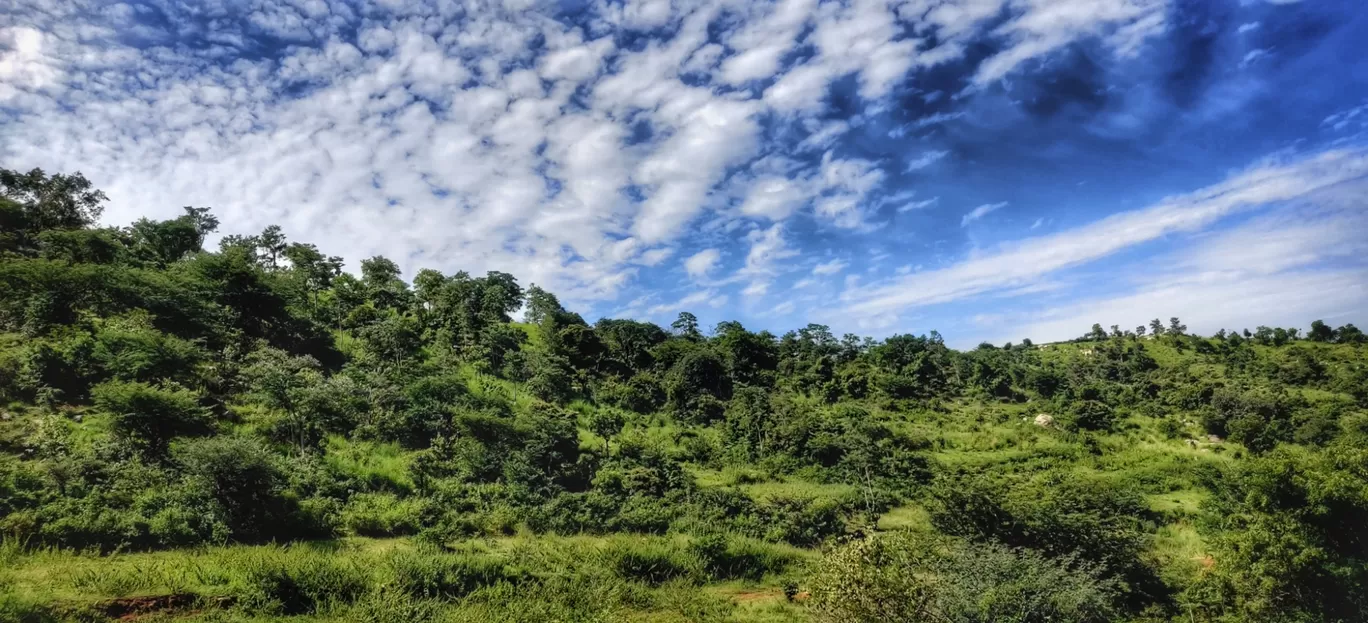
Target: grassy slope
969,434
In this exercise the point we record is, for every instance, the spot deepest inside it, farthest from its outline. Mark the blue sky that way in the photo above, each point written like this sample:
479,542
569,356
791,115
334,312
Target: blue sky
993,169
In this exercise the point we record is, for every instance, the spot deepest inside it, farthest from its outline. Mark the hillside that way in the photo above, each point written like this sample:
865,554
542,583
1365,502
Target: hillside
252,434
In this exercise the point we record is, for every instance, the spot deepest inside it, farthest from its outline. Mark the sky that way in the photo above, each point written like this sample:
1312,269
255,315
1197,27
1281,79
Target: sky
992,169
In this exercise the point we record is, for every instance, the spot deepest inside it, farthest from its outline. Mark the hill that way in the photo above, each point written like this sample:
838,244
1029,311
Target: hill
251,434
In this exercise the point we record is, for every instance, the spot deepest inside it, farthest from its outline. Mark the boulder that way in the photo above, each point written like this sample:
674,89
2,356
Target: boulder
1044,420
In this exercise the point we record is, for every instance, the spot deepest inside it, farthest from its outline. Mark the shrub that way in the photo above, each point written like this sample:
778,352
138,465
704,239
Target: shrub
725,558
642,393
129,349
150,416
243,477
804,521
382,514
290,582
1092,415
1061,517
904,577
652,561
1170,428
435,575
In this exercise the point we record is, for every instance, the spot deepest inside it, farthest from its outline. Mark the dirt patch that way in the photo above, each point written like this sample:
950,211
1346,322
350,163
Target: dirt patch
745,597
135,608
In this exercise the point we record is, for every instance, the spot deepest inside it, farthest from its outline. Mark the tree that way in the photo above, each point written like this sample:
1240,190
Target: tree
52,202
243,477
150,416
1349,334
606,423
540,305
630,342
697,384
278,380
1156,327
1140,331
686,326
271,241
162,242
752,357
749,422
379,272
1176,328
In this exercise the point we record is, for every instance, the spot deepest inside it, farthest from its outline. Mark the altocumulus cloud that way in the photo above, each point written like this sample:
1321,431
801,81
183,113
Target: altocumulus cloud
637,156
573,148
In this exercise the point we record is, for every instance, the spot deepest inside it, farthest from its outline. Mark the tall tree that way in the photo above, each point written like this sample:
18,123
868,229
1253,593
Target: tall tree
686,326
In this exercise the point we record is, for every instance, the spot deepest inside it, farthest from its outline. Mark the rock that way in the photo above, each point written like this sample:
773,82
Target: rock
1192,443
78,418
1044,420
5,416
1214,438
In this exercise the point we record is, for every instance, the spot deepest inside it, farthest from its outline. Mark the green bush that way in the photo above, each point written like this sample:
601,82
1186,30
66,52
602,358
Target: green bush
437,575
907,578
150,416
725,558
291,582
246,481
382,514
1061,516
651,561
1091,415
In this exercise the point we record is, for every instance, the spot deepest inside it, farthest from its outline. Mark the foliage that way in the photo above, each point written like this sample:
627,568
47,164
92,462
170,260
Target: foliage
158,396
907,577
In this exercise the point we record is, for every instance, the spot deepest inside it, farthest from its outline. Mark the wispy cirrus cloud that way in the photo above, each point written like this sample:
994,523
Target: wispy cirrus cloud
981,211
1019,263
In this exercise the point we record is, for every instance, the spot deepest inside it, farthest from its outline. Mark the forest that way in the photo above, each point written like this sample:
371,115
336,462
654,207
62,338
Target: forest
253,434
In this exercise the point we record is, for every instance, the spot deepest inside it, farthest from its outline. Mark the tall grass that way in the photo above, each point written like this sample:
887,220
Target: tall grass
524,579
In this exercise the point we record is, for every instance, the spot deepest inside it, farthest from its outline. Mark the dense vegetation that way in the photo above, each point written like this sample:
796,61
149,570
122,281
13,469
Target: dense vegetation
253,434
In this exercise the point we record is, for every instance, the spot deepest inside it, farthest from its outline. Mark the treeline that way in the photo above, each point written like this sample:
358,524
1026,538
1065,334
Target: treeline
161,395
1263,336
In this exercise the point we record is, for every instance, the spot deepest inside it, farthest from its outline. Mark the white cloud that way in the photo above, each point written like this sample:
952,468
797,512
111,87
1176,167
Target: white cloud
694,299
701,263
503,138
981,211
925,160
768,248
1038,222
1023,262
775,197
1044,26
918,205
830,268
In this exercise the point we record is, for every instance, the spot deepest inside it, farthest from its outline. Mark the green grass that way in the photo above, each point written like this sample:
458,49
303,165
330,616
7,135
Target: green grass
907,517
382,466
522,578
